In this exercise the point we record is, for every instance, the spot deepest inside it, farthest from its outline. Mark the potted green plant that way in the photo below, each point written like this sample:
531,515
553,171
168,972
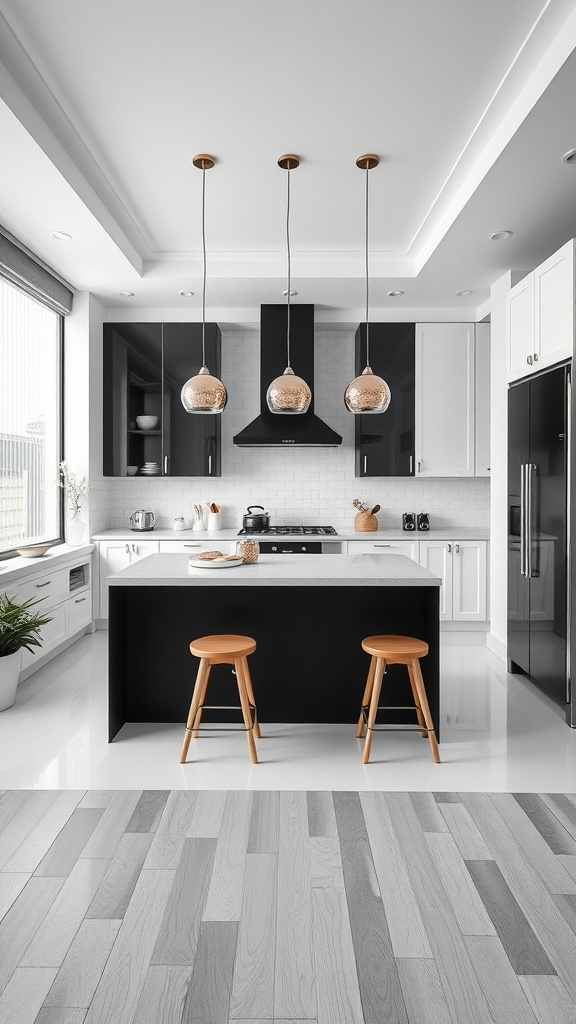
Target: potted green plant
19,628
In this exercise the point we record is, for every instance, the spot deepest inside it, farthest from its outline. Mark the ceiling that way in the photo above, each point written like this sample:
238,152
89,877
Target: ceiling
468,103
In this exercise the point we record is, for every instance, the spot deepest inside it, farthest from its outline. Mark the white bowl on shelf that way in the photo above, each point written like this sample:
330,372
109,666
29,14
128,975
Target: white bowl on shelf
131,470
147,422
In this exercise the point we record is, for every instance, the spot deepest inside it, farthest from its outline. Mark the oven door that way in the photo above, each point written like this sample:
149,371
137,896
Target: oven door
290,547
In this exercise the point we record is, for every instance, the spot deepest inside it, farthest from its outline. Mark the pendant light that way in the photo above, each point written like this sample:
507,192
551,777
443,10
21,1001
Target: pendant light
204,393
288,394
367,393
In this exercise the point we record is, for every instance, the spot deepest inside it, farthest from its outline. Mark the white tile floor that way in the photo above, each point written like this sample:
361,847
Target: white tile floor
502,735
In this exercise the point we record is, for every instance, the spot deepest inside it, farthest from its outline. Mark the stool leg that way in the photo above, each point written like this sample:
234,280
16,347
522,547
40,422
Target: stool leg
419,682
378,674
419,714
366,697
245,709
201,699
201,680
250,692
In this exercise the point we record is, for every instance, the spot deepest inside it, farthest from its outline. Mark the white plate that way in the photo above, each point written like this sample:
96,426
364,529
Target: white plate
198,563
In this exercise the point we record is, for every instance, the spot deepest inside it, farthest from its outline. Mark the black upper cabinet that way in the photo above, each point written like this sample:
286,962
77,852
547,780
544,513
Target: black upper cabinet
385,441
145,367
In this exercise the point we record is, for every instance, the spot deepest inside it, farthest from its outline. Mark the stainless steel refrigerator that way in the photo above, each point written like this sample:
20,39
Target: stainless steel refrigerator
539,418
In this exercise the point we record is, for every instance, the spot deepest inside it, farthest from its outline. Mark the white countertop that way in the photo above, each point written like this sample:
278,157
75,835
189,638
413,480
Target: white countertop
449,533
19,568
280,571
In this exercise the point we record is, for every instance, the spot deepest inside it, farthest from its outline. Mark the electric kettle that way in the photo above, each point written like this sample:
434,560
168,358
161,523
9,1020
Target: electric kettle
142,520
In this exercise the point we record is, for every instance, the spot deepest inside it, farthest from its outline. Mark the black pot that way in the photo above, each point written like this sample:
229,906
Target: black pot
258,521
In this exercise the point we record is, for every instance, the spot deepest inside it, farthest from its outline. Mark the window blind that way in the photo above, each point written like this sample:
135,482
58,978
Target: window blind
27,272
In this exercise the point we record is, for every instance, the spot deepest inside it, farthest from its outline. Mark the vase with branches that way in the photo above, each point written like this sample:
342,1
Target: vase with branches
75,488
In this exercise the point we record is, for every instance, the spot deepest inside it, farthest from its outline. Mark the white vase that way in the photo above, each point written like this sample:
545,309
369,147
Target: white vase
9,672
76,530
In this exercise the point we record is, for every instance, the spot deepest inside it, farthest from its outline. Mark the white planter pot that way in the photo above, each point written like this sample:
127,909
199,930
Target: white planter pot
9,672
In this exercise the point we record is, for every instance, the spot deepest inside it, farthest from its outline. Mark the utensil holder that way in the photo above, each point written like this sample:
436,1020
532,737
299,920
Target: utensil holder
364,522
214,521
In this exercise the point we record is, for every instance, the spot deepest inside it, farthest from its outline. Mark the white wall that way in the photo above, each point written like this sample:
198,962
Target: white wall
304,485
497,638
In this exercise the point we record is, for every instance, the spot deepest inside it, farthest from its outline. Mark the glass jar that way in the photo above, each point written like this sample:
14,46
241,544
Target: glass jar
248,551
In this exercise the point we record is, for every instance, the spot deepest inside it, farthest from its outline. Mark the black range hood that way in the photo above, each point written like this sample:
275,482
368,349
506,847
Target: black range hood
274,430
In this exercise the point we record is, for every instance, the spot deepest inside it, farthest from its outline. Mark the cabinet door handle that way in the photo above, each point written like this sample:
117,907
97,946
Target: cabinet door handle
134,549
411,464
381,545
79,600
535,357
418,465
127,549
529,360
166,464
457,547
197,545
40,585
365,470
449,548
209,465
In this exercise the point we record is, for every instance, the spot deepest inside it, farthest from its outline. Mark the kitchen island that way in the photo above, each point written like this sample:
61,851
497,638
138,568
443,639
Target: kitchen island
308,615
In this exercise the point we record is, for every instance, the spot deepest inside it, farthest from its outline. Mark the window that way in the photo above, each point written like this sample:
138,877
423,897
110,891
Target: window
30,419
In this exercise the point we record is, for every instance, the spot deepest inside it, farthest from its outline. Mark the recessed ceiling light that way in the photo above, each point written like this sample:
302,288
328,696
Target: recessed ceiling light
127,294
62,236
465,291
292,292
186,295
392,294
570,157
499,236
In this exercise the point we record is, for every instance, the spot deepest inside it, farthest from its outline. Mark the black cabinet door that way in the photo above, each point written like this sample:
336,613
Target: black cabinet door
145,367
385,441
191,442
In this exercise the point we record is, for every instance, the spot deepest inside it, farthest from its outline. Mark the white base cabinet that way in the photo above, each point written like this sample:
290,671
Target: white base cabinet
462,567
66,598
115,555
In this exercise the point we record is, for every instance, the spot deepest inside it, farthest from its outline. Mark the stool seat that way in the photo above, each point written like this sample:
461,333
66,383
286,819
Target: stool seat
395,649
223,649
389,649
227,645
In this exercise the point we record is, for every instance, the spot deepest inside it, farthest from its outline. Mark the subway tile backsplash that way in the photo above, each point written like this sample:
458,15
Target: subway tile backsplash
299,485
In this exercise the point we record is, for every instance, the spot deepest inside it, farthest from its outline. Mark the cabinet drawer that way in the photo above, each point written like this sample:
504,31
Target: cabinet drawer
53,587
380,547
79,612
191,547
52,634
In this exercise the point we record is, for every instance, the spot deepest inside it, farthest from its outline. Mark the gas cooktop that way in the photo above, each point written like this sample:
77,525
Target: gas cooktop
293,531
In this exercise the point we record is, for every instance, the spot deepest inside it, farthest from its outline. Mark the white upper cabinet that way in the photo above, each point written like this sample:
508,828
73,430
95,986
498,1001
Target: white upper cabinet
540,316
445,375
554,305
482,401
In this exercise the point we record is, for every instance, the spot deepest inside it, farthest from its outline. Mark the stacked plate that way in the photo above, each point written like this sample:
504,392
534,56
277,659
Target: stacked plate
150,469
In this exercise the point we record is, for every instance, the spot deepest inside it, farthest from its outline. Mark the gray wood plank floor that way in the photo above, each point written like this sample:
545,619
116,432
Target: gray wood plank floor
191,907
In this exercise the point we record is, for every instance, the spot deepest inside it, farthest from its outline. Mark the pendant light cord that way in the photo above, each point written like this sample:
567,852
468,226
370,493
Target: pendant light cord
204,267
288,254
366,269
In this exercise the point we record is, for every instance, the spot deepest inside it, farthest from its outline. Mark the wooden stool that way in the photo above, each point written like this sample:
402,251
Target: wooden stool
395,650
223,649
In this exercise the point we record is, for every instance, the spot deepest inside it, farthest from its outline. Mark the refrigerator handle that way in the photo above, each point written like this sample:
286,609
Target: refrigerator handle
568,530
530,470
523,519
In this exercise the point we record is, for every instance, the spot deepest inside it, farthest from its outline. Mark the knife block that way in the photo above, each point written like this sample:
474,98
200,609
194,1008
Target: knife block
364,522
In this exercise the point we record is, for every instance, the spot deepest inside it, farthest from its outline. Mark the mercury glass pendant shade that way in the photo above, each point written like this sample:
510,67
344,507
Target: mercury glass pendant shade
367,393
288,394
204,394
